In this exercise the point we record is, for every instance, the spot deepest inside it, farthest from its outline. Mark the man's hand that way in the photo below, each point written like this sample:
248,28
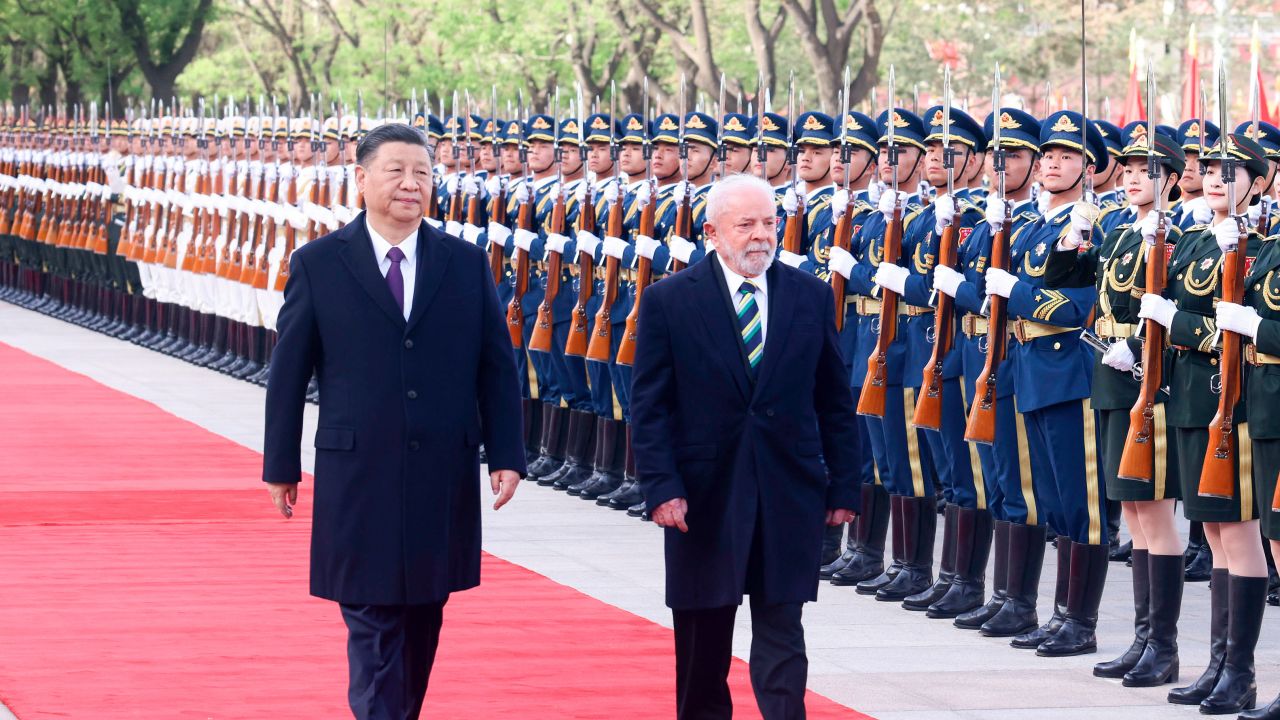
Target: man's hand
504,484
285,496
670,514
840,516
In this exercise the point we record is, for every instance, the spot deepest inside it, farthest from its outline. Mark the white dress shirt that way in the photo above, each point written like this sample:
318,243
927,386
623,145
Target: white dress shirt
408,266
735,281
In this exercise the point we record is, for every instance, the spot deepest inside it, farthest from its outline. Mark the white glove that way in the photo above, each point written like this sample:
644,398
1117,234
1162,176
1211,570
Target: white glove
521,194
611,193
1240,319
790,258
790,201
841,261
1082,217
1201,213
887,204
1147,226
839,203
471,233
493,185
615,247
681,249
642,195
588,243
946,280
678,192
1000,282
556,242
524,238
891,277
498,234
1119,356
1227,233
874,190
471,185
1255,211
454,228
944,213
580,192
1157,308
646,246
451,184
435,223
995,213
1042,201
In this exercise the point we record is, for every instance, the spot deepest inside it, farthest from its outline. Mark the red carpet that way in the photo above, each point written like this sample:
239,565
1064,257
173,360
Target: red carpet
143,574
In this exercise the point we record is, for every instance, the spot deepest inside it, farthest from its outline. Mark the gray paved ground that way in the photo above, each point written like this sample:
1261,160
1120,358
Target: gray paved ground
872,656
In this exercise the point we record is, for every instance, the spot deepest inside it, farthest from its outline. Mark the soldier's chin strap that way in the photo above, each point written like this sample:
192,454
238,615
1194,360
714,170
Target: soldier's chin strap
865,169
1025,180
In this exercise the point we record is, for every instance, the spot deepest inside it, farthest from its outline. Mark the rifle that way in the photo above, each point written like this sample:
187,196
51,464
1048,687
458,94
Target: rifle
981,425
270,195
540,341
793,234
520,258
290,232
602,339
202,188
874,387
1218,474
683,226
842,236
576,344
644,265
928,412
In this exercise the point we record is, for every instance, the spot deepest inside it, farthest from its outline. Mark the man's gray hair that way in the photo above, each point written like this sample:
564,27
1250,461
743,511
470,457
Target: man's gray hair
733,185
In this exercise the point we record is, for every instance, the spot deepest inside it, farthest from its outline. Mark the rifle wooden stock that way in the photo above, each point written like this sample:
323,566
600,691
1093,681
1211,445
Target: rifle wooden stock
291,233
874,387
497,258
520,258
576,344
928,412
1138,459
683,226
540,340
644,273
1217,475
842,238
602,339
981,425
794,233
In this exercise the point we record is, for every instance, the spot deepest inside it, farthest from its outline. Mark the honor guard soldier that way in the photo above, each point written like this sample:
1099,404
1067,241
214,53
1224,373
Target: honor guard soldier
772,157
1262,215
699,147
814,141
1221,495
951,151
1196,136
1118,267
1110,195
738,136
1052,381
853,168
1018,533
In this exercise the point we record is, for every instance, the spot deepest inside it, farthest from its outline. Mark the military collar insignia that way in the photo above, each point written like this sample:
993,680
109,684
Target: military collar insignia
668,124
1128,258
1040,249
1207,263
599,124
634,124
1064,124
899,121
813,123
1008,123
852,123
696,123
541,124
735,125
769,125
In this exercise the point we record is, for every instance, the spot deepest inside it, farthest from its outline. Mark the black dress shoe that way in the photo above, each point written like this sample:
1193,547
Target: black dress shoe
1201,568
1120,553
638,510
624,500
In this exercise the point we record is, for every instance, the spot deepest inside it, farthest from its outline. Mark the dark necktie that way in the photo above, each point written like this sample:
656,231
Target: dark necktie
395,280
749,324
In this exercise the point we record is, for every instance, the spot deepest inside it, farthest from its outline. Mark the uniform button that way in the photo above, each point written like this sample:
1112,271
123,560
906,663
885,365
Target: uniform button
413,444
1213,361
1258,286
408,344
1179,276
1057,346
413,394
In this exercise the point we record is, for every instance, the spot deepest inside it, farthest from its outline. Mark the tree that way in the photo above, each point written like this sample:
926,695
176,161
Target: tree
826,35
165,37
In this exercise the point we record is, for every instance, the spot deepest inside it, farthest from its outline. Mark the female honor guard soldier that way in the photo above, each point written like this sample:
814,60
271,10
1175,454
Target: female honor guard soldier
1119,266
1258,319
1052,375
1237,591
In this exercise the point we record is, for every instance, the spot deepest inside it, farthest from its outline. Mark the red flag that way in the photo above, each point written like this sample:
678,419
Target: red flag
1191,88
1133,108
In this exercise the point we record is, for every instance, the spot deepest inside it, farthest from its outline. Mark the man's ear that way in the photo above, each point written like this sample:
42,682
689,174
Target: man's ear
362,176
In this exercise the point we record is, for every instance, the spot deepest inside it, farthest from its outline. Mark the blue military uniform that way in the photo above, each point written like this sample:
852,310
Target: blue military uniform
1194,136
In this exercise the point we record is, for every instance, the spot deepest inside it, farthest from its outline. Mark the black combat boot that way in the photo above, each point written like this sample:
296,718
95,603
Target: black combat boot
946,565
579,443
1159,662
547,461
1078,635
1237,688
872,585
872,525
1023,562
1141,624
919,528
1031,640
1200,689
973,548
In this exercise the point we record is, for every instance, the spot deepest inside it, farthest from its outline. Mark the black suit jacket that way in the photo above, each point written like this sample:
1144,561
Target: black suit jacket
759,462
403,409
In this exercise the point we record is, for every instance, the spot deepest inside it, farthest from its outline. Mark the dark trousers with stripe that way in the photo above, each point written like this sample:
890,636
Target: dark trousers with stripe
1073,496
948,448
390,651
907,467
1006,469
